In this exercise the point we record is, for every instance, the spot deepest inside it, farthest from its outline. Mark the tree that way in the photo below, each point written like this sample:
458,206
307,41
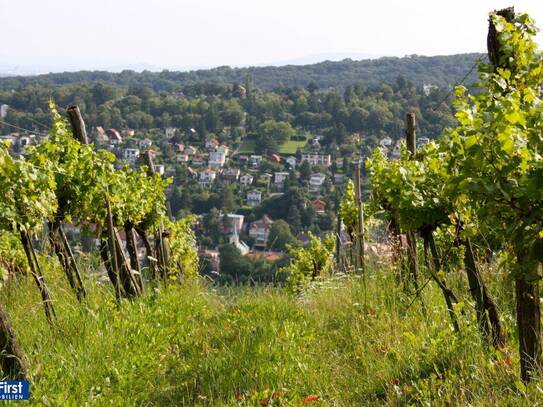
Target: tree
281,236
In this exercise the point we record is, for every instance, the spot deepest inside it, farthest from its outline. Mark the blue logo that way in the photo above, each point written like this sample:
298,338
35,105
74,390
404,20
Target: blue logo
14,390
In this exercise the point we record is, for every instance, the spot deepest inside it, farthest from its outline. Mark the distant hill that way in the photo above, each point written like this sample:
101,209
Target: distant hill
436,70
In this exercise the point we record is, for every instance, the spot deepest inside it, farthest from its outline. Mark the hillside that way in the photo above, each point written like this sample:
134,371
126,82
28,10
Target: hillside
205,346
436,70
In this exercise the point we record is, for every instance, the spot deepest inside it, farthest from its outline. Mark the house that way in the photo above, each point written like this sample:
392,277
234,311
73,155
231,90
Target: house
114,136
275,158
190,150
339,178
315,143
182,158
127,133
216,159
319,205
145,143
260,231
211,257
356,137
233,223
223,149
179,148
131,154
422,141
101,136
169,132
266,177
316,181
159,169
317,159
242,159
255,160
3,111
385,142
291,161
206,177
230,175
280,177
254,197
246,180
198,160
212,144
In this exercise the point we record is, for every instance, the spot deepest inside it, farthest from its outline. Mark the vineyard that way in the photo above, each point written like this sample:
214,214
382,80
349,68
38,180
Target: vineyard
427,294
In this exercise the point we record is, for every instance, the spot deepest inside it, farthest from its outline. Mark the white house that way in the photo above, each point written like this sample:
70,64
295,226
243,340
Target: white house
3,110
280,177
223,149
216,159
291,161
316,181
254,197
317,159
159,169
206,177
169,132
385,142
230,175
145,143
190,150
246,180
198,160
182,158
131,154
422,141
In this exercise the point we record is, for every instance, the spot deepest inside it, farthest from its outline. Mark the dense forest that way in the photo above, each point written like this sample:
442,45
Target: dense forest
437,70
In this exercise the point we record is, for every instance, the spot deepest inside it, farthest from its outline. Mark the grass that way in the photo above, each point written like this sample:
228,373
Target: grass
291,146
288,147
197,345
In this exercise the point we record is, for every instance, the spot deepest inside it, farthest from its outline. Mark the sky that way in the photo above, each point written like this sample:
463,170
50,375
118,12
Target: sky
182,34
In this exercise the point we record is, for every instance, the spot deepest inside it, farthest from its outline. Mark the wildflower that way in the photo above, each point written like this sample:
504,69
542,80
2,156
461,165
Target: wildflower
310,399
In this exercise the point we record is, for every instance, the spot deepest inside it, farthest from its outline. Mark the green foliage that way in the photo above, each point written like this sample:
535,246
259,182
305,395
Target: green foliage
12,257
183,251
281,236
348,211
310,262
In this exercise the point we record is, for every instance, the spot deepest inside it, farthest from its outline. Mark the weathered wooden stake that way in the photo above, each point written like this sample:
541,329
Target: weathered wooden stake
12,362
360,258
78,125
113,251
412,257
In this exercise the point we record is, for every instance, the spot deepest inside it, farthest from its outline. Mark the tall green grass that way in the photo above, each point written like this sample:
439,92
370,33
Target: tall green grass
346,341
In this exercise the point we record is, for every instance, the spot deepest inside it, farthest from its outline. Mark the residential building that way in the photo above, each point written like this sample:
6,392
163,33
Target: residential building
169,132
260,231
246,180
254,197
159,169
223,149
319,205
385,142
216,159
291,161
145,143
280,177
3,110
316,181
255,160
206,177
339,178
101,136
198,160
182,158
234,223
230,175
242,159
131,154
212,144
317,159
422,141
190,150
114,136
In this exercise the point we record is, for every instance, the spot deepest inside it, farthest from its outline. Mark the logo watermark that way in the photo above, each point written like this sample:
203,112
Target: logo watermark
14,390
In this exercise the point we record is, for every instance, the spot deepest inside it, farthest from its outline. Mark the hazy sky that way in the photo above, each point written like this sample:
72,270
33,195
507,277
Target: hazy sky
194,33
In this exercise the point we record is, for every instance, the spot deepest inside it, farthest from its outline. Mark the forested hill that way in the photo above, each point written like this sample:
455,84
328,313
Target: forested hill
437,70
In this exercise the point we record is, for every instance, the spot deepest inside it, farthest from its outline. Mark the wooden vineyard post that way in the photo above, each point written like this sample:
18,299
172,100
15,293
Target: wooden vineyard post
113,251
160,244
12,362
77,123
360,258
26,240
412,257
